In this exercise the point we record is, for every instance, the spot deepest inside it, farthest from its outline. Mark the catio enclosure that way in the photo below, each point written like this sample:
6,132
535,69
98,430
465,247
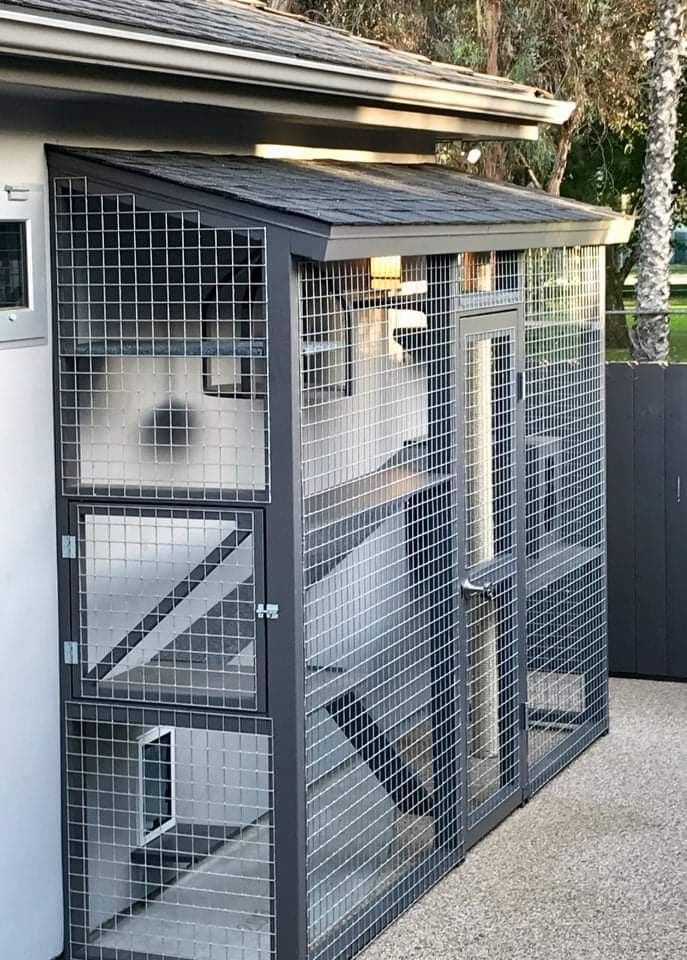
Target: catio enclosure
332,521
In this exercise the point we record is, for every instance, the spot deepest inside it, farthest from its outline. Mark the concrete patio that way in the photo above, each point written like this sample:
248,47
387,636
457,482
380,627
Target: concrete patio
594,868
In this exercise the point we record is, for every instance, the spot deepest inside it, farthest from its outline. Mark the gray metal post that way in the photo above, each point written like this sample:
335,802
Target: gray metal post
284,578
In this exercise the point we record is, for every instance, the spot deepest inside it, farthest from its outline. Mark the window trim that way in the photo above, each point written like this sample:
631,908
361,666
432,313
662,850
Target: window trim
152,736
25,241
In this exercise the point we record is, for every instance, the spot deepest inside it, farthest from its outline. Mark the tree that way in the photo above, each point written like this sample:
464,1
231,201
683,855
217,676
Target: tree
650,336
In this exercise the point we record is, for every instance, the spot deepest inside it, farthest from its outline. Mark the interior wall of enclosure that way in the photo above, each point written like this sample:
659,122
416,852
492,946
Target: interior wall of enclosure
452,428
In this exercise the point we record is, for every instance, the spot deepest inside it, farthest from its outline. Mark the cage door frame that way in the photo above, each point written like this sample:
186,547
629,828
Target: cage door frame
511,577
81,684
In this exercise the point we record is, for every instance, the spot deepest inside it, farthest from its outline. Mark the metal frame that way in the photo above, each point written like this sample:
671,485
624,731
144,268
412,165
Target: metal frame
87,687
510,796
280,653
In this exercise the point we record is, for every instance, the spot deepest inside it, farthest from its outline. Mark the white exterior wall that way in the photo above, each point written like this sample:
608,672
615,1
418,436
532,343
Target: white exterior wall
31,908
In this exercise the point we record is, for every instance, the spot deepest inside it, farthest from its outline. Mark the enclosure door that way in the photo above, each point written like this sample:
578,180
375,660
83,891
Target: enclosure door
490,564
165,603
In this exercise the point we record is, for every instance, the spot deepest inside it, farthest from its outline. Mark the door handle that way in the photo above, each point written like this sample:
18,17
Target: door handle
471,591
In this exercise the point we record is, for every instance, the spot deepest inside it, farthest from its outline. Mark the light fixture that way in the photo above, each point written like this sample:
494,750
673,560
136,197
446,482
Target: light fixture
385,273
474,156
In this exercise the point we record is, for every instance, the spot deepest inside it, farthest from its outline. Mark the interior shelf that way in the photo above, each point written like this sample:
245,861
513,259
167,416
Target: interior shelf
311,347
340,519
133,347
125,347
557,562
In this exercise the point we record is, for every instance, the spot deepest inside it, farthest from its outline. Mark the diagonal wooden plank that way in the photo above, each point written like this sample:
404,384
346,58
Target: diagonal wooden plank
168,603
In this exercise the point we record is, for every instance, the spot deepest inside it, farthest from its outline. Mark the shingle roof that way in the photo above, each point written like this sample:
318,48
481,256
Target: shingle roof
349,194
253,26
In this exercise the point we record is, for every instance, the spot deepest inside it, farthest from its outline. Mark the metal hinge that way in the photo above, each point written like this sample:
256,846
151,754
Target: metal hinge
69,548
17,193
521,385
267,611
525,716
71,652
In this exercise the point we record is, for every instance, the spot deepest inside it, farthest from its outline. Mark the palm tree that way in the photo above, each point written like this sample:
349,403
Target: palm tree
650,335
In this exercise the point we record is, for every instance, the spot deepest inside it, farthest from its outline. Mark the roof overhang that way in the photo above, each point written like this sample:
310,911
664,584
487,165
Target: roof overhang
318,240
63,52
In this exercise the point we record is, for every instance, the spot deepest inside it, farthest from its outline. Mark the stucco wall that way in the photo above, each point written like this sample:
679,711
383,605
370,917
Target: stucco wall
30,886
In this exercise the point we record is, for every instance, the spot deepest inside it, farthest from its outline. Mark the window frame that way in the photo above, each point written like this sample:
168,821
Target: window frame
152,736
25,267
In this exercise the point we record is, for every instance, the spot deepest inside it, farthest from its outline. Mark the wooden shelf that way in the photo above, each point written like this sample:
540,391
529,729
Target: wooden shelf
250,349
340,519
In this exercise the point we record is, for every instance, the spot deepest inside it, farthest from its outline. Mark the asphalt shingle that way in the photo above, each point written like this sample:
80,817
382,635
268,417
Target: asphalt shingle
255,27
349,194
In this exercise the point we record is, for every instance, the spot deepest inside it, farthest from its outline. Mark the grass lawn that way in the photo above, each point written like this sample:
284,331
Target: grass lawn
678,331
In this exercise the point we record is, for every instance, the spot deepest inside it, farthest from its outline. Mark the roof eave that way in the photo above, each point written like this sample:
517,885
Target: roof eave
346,242
55,38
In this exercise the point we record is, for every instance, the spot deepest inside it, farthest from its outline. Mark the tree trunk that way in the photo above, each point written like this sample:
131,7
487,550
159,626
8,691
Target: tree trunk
493,13
650,335
617,272
494,153
565,142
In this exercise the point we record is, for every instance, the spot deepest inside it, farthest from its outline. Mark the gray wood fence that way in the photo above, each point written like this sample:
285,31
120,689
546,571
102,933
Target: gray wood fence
647,519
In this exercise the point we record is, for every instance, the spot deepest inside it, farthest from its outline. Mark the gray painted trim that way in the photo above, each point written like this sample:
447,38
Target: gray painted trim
348,242
284,577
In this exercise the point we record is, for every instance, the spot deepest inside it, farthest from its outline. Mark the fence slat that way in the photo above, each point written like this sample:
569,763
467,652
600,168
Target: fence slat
621,517
650,520
676,519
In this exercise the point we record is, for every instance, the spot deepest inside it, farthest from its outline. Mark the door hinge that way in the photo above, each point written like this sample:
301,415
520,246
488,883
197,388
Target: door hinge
525,716
17,193
267,611
69,548
521,385
71,652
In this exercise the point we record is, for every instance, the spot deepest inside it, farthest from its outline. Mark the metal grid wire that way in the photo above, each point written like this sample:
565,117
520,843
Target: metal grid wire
167,602
162,337
489,279
378,462
493,735
566,582
170,834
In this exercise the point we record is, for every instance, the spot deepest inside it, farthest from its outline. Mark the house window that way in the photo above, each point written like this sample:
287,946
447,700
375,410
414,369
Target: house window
14,281
157,807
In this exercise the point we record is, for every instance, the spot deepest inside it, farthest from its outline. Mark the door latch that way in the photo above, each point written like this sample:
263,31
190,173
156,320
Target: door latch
267,611
473,591
69,548
71,652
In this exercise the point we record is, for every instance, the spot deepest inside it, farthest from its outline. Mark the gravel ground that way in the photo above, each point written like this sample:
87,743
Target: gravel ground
594,868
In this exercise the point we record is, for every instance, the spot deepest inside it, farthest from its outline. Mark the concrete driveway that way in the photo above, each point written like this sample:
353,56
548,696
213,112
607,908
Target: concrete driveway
594,868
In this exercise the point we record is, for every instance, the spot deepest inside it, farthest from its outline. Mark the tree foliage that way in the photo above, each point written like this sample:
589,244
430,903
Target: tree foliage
589,51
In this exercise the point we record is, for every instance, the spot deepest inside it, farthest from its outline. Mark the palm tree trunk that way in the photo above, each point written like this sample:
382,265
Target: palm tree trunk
650,335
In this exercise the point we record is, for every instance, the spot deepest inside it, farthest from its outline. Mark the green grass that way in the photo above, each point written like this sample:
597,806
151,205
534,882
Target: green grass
678,332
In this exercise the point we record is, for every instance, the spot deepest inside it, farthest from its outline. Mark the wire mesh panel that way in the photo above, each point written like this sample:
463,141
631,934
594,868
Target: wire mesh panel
378,465
162,338
493,736
489,279
167,604
566,583
170,834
